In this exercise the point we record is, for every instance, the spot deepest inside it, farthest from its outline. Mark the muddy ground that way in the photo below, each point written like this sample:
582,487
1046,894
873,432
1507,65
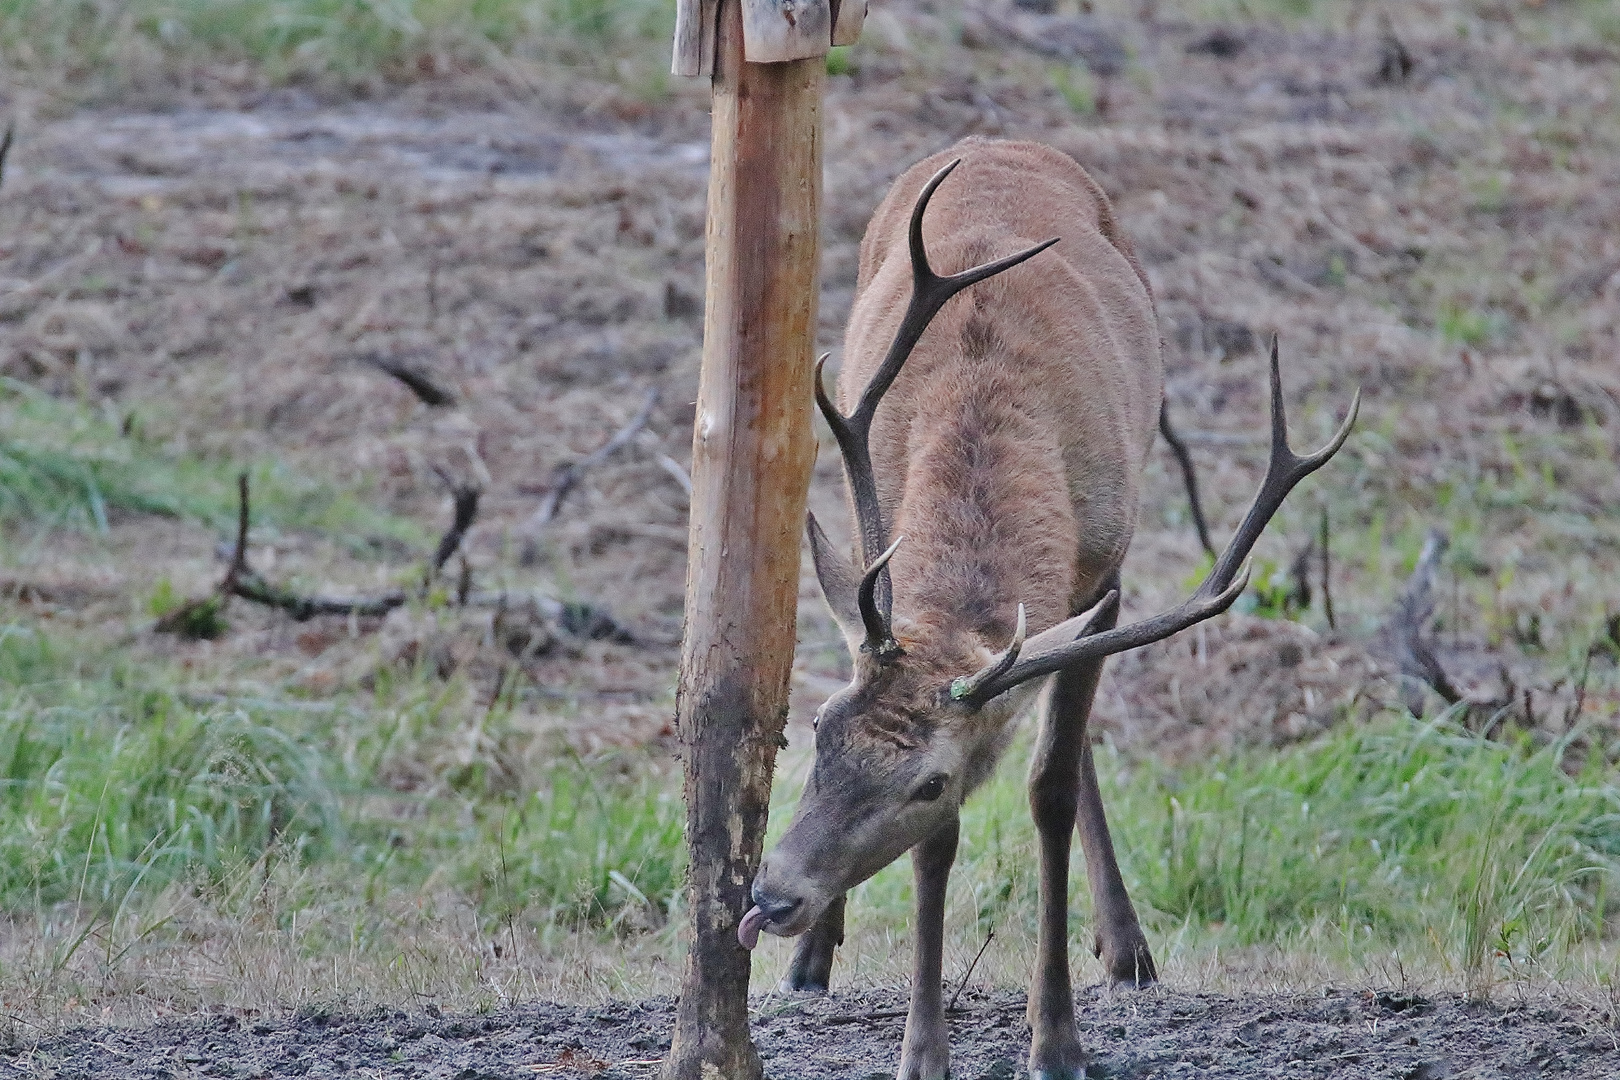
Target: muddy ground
1338,1033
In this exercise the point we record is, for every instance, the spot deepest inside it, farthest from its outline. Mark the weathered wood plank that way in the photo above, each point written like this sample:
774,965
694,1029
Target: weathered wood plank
848,18
694,37
778,30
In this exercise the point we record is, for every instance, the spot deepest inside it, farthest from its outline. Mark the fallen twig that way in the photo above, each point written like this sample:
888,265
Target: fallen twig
1405,632
1188,475
565,477
1395,63
990,935
1327,573
419,382
244,581
678,471
862,1018
198,617
1299,572
5,148
465,497
1583,283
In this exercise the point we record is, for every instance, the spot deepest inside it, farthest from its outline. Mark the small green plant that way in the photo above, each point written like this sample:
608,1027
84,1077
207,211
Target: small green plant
1272,594
839,61
1074,84
1467,326
202,619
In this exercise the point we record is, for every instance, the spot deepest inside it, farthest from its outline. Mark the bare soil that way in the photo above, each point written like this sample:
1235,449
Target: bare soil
1349,1035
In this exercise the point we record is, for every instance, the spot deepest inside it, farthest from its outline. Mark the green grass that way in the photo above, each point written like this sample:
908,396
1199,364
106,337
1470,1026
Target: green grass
62,466
342,39
119,785
117,781
112,788
1414,836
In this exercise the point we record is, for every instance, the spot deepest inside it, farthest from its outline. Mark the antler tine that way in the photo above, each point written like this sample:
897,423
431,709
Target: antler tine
929,292
879,636
967,687
1062,645
1284,470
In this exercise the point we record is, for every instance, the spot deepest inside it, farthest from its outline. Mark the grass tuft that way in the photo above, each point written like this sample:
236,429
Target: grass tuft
61,466
349,40
113,789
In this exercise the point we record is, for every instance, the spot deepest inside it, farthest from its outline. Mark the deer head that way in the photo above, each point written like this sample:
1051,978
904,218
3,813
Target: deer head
900,747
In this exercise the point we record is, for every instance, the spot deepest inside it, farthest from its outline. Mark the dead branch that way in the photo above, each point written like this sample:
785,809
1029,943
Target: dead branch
243,581
251,586
1405,632
5,149
416,380
1583,284
465,497
1188,475
199,616
677,471
566,476
1299,576
990,935
1395,63
867,1017
1327,572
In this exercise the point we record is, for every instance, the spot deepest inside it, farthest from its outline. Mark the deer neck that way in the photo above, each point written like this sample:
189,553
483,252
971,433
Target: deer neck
985,511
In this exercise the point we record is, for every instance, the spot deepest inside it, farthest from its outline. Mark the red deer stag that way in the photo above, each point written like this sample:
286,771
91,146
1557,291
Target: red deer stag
1005,463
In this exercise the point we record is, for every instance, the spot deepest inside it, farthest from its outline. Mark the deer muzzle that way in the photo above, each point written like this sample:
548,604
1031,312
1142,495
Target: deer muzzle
775,914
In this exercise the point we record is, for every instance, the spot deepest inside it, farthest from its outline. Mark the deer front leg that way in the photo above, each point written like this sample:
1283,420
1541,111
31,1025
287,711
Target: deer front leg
926,1053
811,968
1062,784
1054,1050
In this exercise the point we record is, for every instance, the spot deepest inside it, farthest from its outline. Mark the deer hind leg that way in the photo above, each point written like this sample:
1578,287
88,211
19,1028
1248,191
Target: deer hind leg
811,968
1119,943
926,1053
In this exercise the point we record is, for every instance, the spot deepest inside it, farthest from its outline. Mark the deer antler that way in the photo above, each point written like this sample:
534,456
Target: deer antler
1067,643
929,292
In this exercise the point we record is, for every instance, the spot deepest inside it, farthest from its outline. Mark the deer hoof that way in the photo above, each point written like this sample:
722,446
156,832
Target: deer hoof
1058,1056
924,1067
1131,966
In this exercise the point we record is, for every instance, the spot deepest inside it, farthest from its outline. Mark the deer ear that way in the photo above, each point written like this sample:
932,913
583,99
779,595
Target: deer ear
840,585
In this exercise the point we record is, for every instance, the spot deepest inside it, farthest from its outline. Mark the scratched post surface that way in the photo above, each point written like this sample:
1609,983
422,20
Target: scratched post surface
752,454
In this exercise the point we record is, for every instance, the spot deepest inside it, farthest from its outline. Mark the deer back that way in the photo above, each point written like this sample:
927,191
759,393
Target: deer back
1050,373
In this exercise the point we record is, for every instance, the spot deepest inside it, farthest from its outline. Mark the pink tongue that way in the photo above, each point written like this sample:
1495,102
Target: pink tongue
748,929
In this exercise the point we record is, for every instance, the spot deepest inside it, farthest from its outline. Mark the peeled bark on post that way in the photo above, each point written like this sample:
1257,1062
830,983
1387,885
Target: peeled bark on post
751,460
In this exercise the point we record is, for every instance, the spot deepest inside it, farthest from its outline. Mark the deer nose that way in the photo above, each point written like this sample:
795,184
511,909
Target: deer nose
776,909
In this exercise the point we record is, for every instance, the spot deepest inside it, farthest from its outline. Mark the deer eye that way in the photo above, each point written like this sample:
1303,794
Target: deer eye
931,789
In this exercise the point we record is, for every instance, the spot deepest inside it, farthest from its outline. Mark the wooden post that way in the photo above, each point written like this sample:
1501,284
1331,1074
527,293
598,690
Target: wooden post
752,451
